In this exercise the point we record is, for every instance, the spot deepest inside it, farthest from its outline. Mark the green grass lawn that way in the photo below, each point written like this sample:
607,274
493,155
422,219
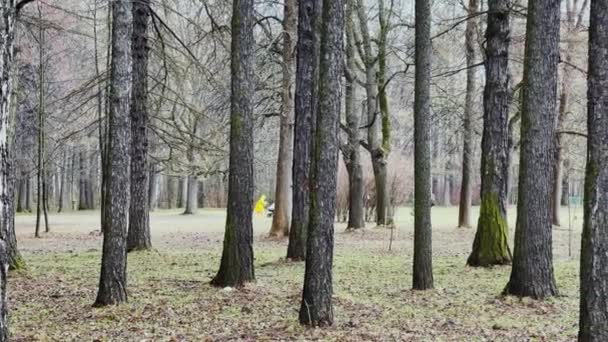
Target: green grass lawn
170,299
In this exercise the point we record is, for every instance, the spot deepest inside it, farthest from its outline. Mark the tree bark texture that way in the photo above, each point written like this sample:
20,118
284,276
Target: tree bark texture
532,271
283,195
191,195
593,324
236,267
490,246
113,277
309,17
464,210
316,308
7,15
423,250
138,237
374,120
352,150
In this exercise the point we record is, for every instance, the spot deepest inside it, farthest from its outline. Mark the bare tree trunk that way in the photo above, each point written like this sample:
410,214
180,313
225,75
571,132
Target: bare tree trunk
283,194
464,213
191,196
316,308
143,186
377,151
183,192
532,271
113,277
352,150
593,325
490,246
423,255
7,13
236,267
309,18
82,183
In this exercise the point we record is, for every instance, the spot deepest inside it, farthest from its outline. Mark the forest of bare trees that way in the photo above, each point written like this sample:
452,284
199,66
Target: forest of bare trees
145,137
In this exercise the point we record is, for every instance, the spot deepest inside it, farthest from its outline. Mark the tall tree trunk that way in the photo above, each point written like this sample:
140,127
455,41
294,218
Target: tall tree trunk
22,193
464,212
316,308
385,216
532,271
154,180
377,151
594,251
283,194
352,150
236,267
82,181
191,195
113,277
490,246
305,102
138,237
183,192
172,192
8,237
423,255
7,14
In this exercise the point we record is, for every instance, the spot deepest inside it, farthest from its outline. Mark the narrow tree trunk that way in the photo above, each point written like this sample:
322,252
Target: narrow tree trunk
138,237
305,102
316,308
423,255
532,271
464,212
8,237
283,194
154,189
236,267
593,324
183,192
352,151
113,277
490,246
82,181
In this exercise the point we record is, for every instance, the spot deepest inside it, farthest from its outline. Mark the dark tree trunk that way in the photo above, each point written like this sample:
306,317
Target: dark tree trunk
22,194
464,212
153,188
423,251
83,184
491,239
594,252
283,194
139,212
113,278
183,192
352,150
532,271
305,98
316,308
9,238
236,267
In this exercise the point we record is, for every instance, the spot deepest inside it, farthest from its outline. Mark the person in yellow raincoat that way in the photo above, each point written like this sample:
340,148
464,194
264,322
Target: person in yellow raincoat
260,205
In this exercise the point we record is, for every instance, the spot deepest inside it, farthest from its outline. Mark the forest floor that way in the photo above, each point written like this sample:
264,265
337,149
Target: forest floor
170,298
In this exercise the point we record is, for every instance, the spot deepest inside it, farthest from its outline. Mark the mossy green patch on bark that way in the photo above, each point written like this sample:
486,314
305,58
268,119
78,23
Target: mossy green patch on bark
491,246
